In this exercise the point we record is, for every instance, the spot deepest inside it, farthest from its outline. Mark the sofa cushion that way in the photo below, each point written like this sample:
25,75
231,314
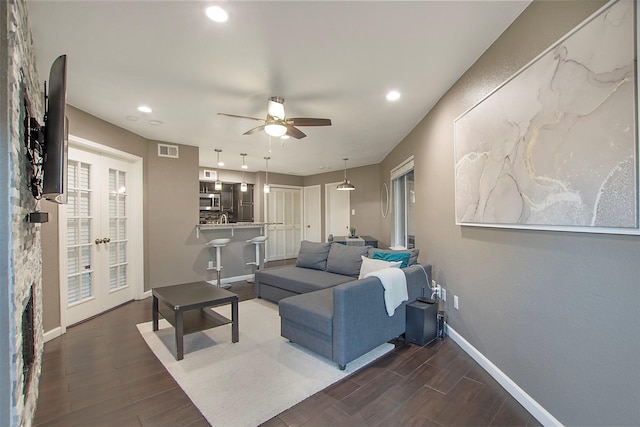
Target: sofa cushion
299,280
402,257
346,260
413,253
370,265
313,255
313,310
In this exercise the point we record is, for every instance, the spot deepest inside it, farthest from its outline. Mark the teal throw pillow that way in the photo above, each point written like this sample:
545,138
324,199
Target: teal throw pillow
393,256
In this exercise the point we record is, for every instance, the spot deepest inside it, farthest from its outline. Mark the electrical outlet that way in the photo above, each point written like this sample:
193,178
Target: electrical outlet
455,302
444,294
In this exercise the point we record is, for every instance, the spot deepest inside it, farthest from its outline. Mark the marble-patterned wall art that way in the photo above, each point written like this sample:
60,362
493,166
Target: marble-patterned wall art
555,147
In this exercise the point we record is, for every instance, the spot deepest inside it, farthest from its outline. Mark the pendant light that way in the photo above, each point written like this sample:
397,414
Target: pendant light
243,185
218,184
346,184
266,187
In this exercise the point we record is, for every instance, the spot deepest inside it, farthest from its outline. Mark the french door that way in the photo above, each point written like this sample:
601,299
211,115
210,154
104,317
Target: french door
284,213
96,228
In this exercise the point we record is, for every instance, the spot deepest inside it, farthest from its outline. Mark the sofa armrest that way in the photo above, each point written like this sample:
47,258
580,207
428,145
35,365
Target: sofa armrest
418,281
360,319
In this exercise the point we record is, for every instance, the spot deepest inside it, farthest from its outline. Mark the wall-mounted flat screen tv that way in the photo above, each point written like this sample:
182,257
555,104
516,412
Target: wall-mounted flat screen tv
56,141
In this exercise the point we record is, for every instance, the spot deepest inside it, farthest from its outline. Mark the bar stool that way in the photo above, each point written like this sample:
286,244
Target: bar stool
219,243
258,240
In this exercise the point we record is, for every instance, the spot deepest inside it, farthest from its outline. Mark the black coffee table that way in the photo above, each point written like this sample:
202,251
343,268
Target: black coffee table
188,308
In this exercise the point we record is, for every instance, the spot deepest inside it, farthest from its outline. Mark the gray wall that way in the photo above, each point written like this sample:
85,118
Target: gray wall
173,213
557,312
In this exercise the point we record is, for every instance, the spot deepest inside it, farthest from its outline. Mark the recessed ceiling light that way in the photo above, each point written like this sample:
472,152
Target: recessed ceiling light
144,109
133,118
393,95
217,14
155,122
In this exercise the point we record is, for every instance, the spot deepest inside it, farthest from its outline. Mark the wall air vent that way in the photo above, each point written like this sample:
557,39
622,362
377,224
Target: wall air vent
209,174
165,150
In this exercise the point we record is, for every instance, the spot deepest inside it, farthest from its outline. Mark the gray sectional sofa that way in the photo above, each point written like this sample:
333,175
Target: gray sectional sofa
325,307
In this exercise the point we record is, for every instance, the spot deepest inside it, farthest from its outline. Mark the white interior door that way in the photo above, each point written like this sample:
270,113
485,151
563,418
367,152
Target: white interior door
284,213
312,214
337,210
95,229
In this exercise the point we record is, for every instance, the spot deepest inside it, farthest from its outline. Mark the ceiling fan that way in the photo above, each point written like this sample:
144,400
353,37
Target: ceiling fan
277,124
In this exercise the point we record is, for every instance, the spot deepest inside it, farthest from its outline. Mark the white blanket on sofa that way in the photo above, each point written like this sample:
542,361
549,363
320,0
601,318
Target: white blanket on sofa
395,287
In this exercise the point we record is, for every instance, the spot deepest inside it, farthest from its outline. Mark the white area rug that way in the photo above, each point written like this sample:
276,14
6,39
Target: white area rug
248,382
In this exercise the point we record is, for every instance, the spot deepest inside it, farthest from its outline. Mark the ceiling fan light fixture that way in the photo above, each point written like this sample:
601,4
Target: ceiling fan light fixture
346,185
275,129
275,107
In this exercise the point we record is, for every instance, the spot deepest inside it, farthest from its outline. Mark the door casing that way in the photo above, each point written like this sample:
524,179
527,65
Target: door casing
136,223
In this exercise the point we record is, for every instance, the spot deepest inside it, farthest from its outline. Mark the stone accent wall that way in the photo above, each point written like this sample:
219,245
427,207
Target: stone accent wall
25,246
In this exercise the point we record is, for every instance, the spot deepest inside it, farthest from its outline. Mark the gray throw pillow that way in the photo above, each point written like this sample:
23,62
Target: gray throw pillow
413,253
345,259
313,255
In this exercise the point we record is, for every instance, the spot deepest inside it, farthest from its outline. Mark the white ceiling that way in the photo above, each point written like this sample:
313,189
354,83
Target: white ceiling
328,59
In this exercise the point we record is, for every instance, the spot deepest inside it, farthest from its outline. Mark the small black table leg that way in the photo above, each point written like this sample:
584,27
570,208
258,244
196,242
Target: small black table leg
155,313
179,335
234,321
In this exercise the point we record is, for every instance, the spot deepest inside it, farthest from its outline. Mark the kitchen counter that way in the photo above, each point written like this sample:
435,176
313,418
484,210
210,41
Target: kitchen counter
232,226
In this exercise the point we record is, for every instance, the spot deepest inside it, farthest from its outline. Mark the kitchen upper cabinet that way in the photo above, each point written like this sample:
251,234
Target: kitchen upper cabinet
226,197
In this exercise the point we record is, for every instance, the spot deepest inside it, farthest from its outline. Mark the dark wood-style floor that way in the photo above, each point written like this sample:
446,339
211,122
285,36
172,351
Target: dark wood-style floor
101,373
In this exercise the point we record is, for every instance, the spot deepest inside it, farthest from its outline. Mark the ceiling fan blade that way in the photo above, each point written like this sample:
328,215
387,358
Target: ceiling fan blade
294,132
307,121
254,130
240,117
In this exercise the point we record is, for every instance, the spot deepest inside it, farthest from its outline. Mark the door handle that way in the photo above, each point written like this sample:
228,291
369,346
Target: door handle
98,241
106,240
308,226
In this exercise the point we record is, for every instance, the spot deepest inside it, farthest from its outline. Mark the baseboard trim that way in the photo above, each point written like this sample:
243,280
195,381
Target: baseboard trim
54,333
245,278
534,408
145,295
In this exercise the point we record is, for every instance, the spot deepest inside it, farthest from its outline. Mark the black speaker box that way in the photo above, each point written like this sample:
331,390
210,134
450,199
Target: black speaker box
422,322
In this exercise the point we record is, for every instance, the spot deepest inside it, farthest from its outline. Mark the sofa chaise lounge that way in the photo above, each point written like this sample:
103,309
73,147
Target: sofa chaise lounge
324,305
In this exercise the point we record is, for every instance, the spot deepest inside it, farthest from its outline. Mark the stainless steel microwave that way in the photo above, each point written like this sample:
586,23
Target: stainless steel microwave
209,201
